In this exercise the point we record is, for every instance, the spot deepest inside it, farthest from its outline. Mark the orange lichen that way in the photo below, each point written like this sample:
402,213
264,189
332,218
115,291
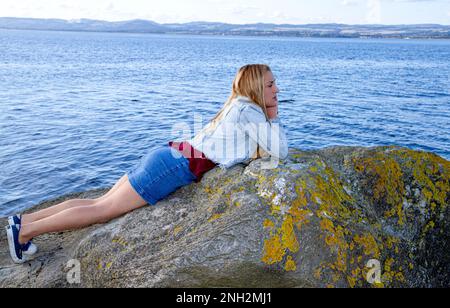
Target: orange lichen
268,224
390,275
290,265
369,245
177,230
354,277
284,238
215,217
321,198
273,250
388,185
288,238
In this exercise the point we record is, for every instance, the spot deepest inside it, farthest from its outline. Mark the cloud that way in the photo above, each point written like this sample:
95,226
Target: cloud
244,10
235,11
110,6
356,2
349,2
374,11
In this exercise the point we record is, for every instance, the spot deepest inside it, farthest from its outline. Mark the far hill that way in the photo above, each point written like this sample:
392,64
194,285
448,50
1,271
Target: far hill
216,28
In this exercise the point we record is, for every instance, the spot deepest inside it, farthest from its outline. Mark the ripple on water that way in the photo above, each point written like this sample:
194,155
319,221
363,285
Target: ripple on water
80,119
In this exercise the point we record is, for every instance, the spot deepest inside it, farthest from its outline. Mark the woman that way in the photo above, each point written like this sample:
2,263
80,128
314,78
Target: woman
251,110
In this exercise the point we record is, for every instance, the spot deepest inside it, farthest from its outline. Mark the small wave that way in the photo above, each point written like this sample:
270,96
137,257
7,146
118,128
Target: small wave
433,95
287,101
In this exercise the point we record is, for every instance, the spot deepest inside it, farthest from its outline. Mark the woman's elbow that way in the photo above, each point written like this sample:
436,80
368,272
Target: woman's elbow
284,154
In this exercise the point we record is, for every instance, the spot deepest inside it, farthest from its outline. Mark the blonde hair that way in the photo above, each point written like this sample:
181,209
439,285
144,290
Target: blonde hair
249,82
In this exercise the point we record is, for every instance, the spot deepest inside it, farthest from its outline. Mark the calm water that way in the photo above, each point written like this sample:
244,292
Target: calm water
78,110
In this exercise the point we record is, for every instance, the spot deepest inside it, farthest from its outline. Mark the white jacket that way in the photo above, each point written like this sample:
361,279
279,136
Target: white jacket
237,135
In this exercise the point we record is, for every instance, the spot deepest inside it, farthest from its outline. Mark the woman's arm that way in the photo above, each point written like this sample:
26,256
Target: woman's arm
269,135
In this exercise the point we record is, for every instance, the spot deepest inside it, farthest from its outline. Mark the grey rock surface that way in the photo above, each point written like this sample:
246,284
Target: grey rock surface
317,220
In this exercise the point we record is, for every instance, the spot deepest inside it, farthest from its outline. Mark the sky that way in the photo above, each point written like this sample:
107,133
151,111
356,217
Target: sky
237,11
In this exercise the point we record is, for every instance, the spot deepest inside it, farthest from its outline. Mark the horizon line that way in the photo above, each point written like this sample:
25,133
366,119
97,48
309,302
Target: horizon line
221,22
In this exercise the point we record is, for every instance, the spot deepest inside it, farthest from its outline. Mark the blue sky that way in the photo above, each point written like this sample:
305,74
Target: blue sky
237,11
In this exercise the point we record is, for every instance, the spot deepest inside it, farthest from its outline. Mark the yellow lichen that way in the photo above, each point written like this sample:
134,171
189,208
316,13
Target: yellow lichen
390,275
104,266
431,174
273,250
335,204
298,210
430,225
313,169
289,239
177,230
369,245
335,239
321,197
120,241
388,183
215,217
354,277
290,265
334,200
318,273
268,224
391,241
284,238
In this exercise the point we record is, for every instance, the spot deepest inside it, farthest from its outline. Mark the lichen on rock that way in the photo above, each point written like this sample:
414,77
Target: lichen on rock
317,220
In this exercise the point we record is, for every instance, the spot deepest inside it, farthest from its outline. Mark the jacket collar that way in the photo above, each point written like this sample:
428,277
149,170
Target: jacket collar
244,98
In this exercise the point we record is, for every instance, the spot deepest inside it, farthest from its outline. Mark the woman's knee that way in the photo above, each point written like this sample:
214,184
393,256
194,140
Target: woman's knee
76,203
96,200
102,213
107,210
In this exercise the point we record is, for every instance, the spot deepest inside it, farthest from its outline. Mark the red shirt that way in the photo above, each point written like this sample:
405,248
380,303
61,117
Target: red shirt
199,164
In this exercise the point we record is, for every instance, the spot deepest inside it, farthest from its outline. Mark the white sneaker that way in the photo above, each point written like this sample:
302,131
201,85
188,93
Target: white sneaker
29,248
15,248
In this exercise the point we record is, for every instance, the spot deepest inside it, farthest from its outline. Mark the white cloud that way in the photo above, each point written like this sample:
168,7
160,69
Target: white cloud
244,10
236,11
349,2
374,11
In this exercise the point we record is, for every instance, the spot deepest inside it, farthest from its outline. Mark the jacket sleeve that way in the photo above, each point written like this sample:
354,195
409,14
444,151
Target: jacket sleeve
270,135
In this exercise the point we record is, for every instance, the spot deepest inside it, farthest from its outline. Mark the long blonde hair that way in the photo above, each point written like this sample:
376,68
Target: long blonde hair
249,82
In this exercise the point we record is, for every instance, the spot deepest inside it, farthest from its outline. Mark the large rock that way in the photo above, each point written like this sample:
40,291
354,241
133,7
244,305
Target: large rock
315,221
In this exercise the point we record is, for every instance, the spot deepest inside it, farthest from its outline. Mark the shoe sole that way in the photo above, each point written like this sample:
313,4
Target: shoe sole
12,249
30,254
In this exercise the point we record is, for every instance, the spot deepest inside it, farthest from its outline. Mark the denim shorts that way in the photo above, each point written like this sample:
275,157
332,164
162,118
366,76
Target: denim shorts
159,173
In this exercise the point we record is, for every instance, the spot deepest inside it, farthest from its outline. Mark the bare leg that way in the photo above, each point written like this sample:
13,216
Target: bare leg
116,186
122,201
30,218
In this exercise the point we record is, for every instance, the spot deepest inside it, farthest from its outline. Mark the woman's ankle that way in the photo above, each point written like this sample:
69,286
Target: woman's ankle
23,236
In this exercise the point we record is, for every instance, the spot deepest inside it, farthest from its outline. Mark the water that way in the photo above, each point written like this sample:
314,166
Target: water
78,110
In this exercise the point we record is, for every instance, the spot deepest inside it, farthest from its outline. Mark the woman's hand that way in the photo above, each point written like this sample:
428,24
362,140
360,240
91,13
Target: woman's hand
272,110
260,153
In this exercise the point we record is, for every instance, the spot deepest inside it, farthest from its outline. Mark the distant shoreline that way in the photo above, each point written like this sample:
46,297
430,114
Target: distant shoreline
237,35
403,32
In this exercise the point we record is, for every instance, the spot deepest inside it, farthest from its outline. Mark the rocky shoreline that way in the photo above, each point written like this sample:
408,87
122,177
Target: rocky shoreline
318,220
